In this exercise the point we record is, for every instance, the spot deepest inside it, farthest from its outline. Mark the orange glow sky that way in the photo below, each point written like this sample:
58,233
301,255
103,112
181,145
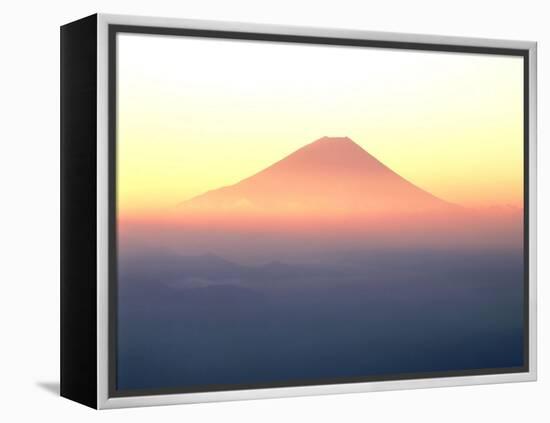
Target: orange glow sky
197,114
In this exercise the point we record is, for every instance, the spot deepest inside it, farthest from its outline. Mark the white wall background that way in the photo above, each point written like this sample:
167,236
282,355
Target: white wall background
29,223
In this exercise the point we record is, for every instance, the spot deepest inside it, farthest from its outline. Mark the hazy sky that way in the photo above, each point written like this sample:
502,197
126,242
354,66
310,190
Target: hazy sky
196,114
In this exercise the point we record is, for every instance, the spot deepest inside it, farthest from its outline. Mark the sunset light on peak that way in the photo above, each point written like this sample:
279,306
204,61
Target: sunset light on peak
201,120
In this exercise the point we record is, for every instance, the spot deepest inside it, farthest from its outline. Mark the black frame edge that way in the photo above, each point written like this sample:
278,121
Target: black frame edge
78,172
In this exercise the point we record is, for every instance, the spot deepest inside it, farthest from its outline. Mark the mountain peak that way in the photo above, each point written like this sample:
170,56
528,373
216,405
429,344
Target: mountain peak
333,141
329,154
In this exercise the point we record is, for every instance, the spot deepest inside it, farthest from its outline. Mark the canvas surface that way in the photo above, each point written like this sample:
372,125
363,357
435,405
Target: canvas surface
292,213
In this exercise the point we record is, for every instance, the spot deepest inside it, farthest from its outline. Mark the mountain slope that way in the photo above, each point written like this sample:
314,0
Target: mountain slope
330,175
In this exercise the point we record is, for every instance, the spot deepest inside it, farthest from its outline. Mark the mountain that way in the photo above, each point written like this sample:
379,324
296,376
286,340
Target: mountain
330,176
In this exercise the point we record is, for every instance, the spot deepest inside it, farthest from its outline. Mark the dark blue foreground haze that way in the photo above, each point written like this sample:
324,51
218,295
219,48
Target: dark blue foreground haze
192,322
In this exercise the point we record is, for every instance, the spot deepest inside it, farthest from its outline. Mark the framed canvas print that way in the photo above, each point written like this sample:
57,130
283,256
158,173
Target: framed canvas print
254,211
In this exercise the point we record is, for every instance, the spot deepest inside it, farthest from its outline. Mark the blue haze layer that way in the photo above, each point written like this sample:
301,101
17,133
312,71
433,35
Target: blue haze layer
190,322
